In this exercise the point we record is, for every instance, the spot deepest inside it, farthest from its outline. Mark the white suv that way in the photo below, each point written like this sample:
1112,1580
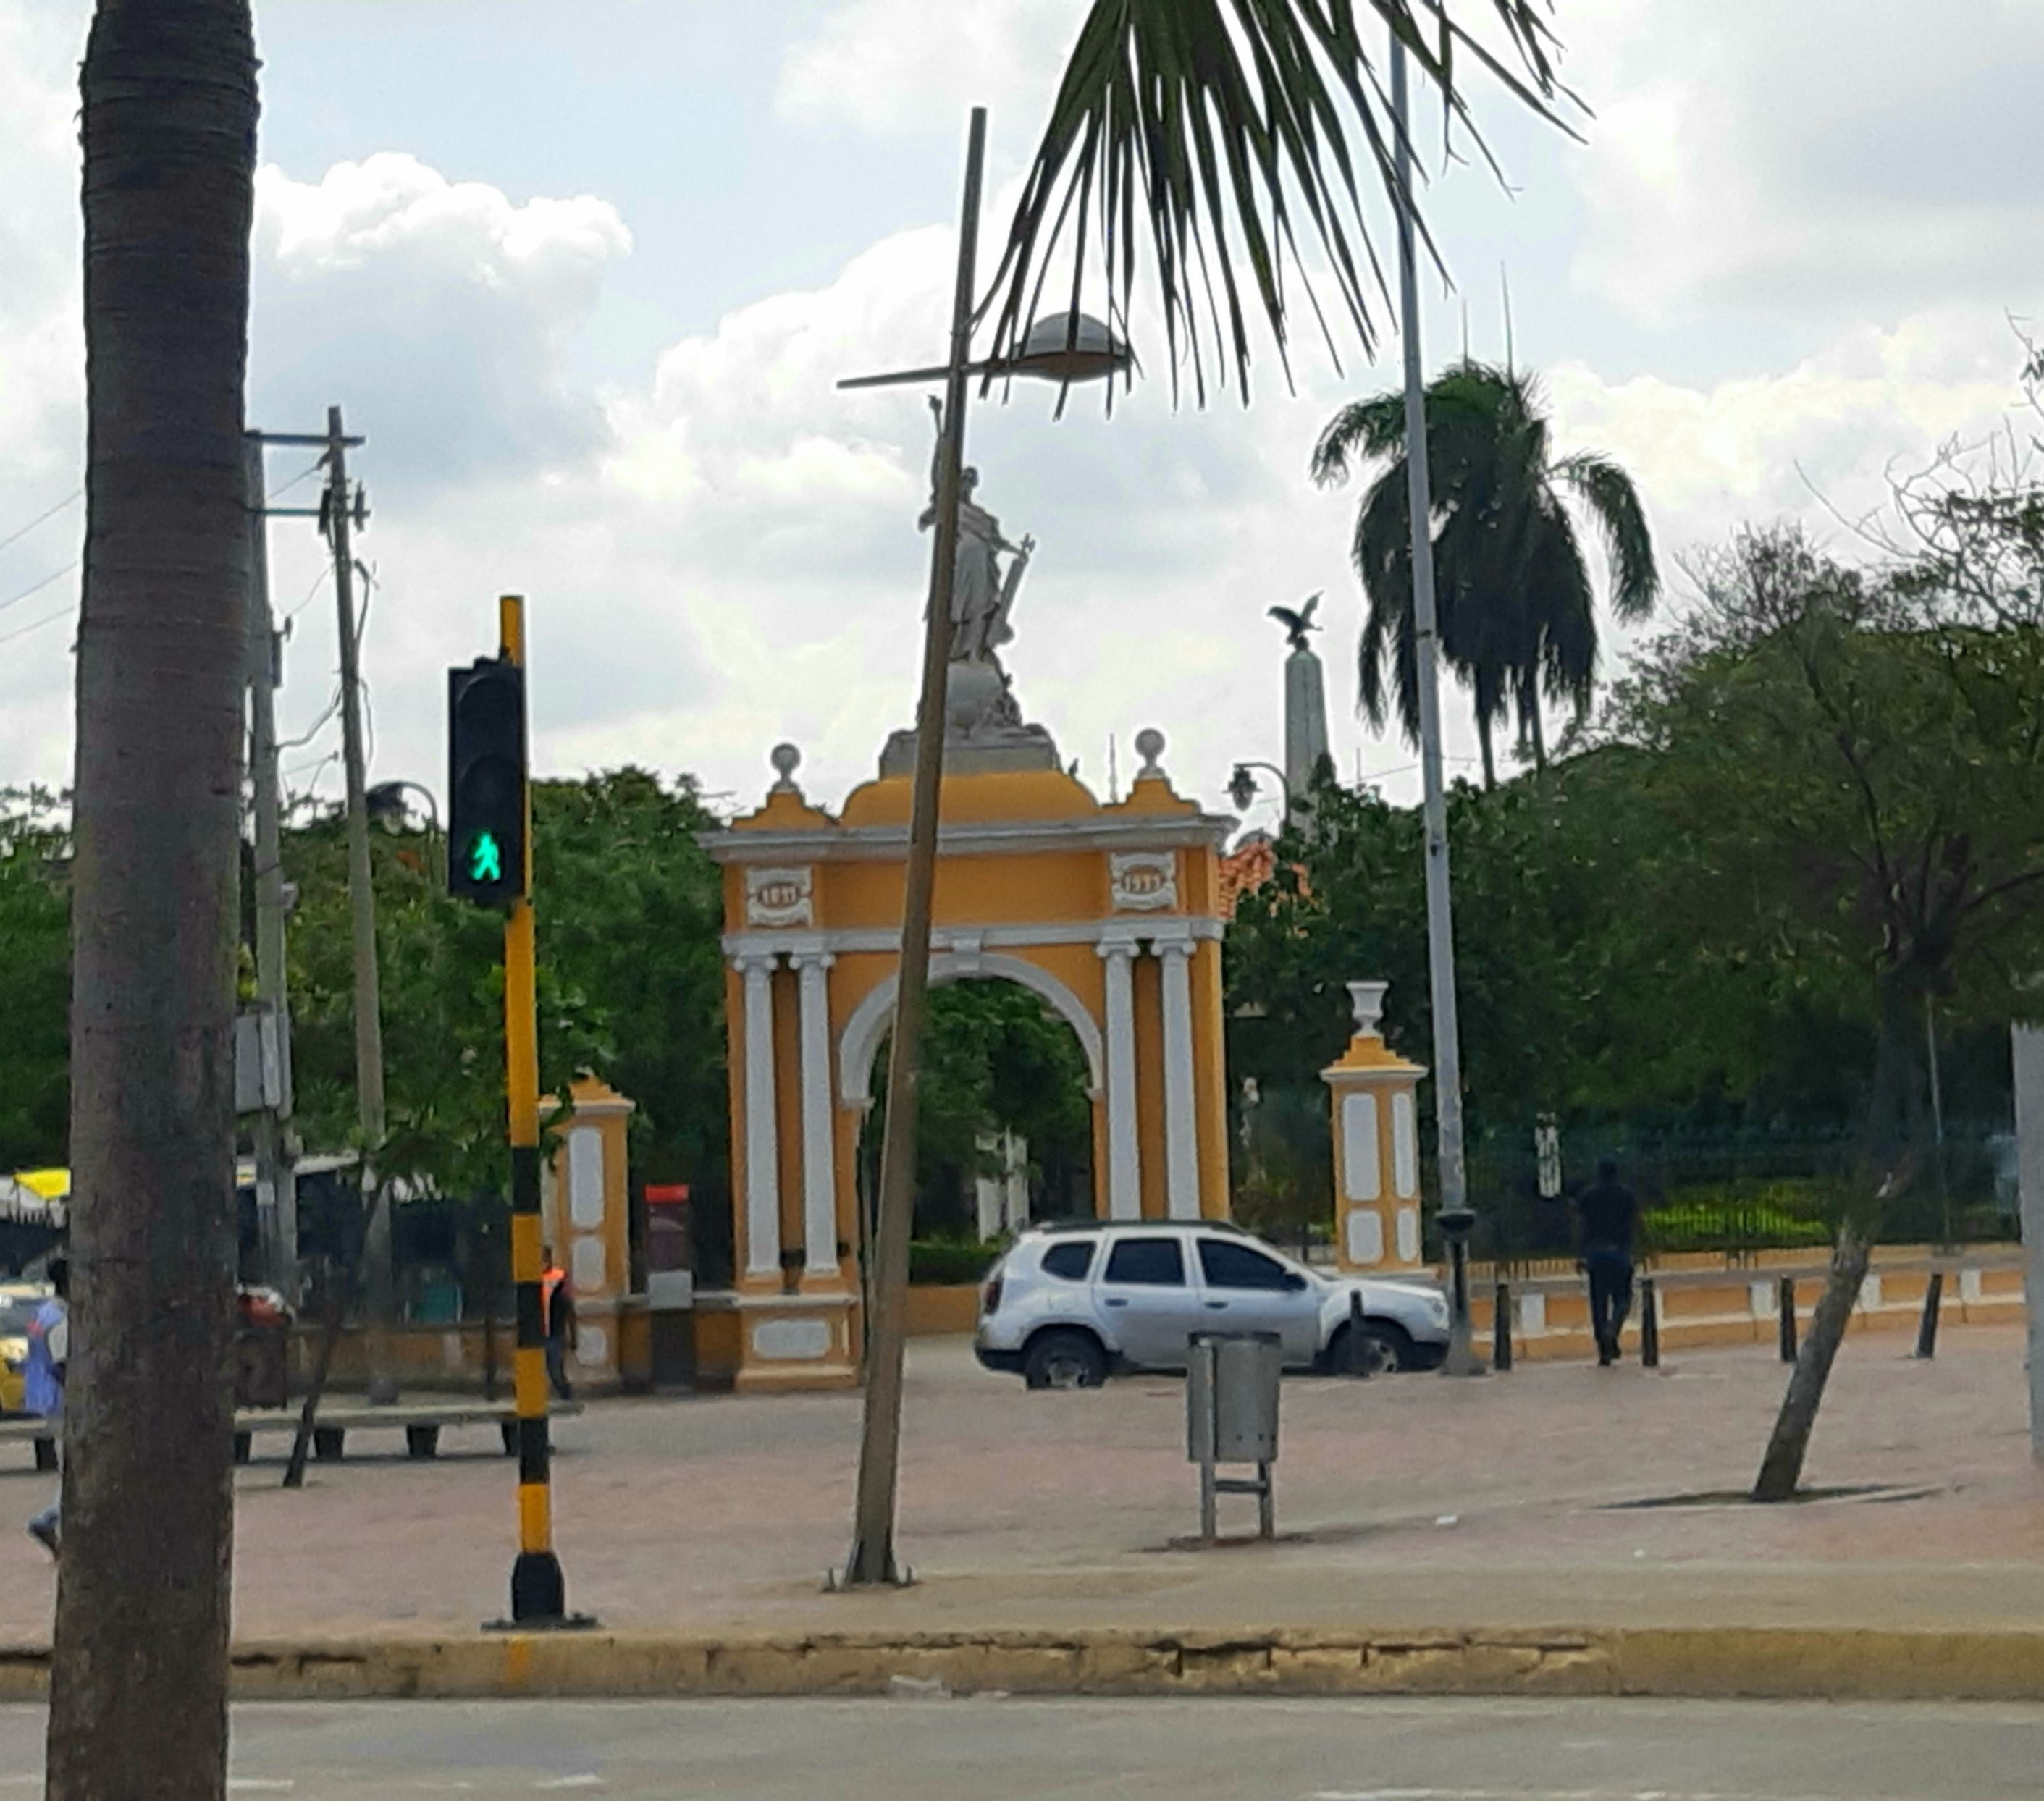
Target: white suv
1067,1303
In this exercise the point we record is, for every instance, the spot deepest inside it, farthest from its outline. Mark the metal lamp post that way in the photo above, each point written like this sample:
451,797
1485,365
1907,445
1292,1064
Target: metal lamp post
1074,348
385,800
1242,785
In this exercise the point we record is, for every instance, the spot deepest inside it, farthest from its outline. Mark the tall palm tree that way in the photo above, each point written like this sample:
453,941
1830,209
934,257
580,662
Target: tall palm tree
139,1671
1516,607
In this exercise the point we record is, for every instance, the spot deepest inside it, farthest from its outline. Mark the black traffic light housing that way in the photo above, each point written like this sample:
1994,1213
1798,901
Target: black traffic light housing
487,814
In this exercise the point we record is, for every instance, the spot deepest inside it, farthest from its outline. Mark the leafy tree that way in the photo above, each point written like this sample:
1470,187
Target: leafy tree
631,984
995,1059
1860,757
1517,612
138,1666
35,981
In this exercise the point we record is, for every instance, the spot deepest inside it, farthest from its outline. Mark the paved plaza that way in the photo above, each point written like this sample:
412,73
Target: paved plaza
1405,1500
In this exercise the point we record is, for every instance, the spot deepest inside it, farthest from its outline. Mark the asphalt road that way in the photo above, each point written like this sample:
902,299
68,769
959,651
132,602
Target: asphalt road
924,1748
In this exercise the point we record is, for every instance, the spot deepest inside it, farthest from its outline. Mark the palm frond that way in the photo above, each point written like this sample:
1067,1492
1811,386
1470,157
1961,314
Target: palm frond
1362,430
1224,126
1613,502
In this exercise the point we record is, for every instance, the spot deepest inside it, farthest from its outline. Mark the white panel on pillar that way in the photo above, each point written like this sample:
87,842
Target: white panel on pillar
819,1146
763,1177
1364,1236
1405,1146
1181,1138
584,1178
1124,1168
1360,1176
1408,1235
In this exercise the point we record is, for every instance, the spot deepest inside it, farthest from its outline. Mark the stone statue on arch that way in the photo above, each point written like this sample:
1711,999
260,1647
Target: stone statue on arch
982,595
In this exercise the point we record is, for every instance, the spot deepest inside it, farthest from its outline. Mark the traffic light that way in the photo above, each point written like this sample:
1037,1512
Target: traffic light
486,781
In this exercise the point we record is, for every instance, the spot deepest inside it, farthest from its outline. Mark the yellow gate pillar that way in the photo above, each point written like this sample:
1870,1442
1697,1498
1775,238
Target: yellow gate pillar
1376,1145
586,1205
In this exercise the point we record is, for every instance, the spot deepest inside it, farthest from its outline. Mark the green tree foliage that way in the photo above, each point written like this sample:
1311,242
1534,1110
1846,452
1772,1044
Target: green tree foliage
1859,759
1517,612
35,981
995,1059
631,984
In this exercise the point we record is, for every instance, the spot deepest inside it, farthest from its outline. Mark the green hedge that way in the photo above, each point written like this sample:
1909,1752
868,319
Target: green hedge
941,1262
1786,1216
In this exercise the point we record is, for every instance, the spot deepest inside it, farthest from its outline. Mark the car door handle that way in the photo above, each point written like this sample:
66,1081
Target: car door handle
1217,1305
1116,1301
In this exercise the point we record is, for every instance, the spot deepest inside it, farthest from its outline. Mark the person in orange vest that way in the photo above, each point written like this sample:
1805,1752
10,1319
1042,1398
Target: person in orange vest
557,1313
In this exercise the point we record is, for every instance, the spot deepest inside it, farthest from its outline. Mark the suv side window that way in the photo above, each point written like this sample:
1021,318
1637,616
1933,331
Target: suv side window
1154,1263
1227,1266
1070,1260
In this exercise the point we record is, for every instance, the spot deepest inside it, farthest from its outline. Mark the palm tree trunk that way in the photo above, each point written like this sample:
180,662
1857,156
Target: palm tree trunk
138,1674
1483,740
1881,1170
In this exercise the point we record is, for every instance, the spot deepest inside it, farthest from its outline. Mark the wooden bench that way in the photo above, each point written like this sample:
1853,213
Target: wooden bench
421,1423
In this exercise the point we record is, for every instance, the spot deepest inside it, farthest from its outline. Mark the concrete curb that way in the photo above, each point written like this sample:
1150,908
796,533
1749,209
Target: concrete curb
1772,1663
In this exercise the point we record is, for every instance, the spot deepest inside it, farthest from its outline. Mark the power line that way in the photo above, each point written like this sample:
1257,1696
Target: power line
37,587
316,465
64,611
40,517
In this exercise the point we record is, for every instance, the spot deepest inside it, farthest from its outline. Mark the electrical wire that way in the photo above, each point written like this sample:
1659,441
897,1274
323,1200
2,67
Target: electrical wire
40,517
64,611
37,587
317,465
312,594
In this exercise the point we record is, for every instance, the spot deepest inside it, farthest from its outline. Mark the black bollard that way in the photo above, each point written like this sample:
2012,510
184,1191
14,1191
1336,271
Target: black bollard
1358,1346
1649,1325
1500,1327
1788,1309
1926,1330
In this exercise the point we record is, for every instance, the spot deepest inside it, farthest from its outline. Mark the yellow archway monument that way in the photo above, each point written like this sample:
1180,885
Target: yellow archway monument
1111,912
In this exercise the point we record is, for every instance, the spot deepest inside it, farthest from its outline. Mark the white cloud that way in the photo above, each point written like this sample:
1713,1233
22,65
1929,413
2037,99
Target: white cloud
905,65
1823,161
448,305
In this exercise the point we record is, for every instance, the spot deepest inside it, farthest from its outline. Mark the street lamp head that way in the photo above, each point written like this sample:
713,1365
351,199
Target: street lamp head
1070,347
1242,786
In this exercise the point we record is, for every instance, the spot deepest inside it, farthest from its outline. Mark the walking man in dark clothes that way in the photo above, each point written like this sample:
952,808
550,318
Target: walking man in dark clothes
1608,1211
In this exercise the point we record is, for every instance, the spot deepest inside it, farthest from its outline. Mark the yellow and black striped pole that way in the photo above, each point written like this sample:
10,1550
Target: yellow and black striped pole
539,1595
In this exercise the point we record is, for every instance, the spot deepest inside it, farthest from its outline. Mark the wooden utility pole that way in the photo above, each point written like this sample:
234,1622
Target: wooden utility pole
334,520
872,1559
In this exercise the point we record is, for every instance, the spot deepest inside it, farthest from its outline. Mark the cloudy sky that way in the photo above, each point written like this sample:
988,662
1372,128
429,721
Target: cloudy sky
585,278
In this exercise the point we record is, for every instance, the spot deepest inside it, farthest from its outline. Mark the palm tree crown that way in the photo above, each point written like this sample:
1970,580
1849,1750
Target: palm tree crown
1517,612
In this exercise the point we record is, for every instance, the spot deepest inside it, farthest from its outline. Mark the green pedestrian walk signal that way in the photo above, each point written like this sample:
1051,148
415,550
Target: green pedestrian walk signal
486,779
486,858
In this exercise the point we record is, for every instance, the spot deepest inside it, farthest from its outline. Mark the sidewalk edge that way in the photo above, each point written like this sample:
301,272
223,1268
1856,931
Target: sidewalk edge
1772,1663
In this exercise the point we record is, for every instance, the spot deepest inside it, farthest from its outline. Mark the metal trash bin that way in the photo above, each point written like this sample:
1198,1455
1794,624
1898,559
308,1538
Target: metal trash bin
1232,1380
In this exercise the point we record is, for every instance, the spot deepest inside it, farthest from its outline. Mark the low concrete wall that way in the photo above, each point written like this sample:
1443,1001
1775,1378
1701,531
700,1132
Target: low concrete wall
946,1308
1705,1304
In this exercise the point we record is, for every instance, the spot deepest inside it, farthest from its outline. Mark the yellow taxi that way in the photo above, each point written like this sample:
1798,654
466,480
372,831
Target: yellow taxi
18,1302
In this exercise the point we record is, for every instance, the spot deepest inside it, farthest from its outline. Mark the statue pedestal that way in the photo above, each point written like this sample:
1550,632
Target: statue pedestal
985,733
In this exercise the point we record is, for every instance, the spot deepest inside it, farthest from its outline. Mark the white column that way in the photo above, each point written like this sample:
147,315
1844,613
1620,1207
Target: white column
819,1145
762,1174
1181,1138
1124,1163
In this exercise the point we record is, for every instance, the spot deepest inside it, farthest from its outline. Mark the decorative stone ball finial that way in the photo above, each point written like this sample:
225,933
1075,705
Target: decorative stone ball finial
1367,999
1149,747
786,758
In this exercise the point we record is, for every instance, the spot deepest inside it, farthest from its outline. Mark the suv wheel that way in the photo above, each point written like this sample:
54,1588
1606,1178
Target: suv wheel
1383,1349
1064,1360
